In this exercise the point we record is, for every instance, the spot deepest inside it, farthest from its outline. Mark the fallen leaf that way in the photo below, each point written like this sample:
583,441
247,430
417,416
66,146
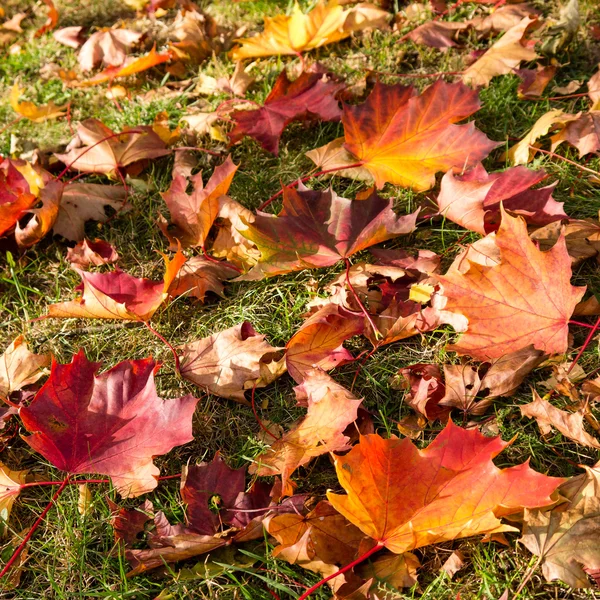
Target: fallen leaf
526,299
87,253
51,21
405,139
503,57
438,34
192,215
330,409
581,132
231,362
108,47
112,424
317,229
69,36
425,390
198,276
311,96
195,32
19,367
324,24
406,498
318,342
534,81
334,156
563,31
160,126
14,23
84,502
473,199
28,110
118,295
454,563
11,483
502,18
548,417
98,149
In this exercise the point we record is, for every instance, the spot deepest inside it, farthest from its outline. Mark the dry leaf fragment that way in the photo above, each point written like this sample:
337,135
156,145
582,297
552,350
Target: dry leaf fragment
425,390
503,57
87,253
534,81
108,47
69,36
569,424
19,367
525,299
198,276
454,563
10,486
28,110
51,21
581,132
330,409
231,362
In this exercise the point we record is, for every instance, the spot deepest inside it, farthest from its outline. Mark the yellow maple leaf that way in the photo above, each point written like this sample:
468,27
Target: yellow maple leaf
30,111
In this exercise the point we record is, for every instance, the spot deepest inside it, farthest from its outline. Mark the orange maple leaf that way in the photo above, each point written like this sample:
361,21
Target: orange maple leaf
526,298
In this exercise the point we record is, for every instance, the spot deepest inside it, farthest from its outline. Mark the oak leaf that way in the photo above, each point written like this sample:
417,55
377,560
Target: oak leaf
405,139
112,424
406,498
569,424
230,362
503,57
108,47
118,295
330,409
525,299
473,199
87,253
97,149
19,367
317,229
324,24
28,110
192,215
318,342
311,96
198,276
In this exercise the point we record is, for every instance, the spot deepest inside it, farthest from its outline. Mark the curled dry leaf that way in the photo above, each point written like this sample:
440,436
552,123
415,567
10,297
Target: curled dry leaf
311,96
534,81
112,424
317,229
330,409
10,487
118,295
406,498
51,21
108,47
581,132
42,219
324,24
503,57
194,34
19,367
473,199
525,299
405,139
192,215
318,342
425,390
199,276
98,149
28,110
231,362
88,253
569,424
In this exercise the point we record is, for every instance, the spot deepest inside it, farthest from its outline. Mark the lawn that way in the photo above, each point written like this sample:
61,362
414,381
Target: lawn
73,555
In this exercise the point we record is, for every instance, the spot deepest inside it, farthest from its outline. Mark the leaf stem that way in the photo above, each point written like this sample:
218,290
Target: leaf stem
317,174
571,162
220,262
82,481
164,341
571,322
377,333
198,149
37,523
588,339
378,546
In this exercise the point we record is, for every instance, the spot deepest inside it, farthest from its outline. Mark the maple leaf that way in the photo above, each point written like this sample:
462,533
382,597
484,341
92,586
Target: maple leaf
324,24
28,110
198,276
406,498
405,139
330,409
230,362
581,132
566,537
112,424
87,253
318,342
473,199
19,367
51,21
311,96
236,85
118,295
525,299
425,390
192,215
69,36
503,57
82,202
96,148
108,47
534,81
569,424
195,32
11,483
317,229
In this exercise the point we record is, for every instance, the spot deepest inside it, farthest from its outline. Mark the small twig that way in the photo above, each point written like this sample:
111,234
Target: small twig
361,364
162,339
256,414
527,577
37,523
571,162
376,332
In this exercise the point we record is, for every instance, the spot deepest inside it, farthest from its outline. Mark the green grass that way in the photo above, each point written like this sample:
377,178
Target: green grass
73,556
